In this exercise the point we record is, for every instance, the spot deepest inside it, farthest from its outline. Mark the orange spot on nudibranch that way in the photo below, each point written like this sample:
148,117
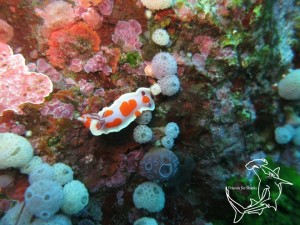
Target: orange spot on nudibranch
127,107
87,122
146,99
108,113
137,113
116,122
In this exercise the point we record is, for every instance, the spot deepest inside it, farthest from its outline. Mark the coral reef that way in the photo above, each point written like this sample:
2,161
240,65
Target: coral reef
220,78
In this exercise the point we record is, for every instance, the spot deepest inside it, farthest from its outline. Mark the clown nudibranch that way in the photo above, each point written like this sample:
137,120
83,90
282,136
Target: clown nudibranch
120,114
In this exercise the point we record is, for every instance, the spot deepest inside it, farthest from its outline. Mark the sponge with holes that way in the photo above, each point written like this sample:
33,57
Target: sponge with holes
15,151
149,196
76,197
62,173
43,198
42,172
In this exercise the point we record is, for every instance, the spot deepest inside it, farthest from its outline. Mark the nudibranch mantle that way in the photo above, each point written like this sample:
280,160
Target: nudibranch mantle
120,114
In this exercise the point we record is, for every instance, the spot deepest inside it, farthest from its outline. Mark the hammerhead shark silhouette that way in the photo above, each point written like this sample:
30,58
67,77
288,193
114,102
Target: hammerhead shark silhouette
265,199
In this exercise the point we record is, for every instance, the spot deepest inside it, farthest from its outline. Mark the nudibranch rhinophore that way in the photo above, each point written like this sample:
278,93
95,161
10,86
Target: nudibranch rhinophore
120,114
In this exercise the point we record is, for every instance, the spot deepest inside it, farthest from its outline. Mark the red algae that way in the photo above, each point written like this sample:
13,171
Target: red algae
79,41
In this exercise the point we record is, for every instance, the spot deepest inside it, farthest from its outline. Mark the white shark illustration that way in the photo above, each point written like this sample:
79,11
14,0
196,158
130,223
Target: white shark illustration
265,199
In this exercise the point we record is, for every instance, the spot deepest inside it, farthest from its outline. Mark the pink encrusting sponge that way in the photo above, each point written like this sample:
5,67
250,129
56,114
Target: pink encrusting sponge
17,84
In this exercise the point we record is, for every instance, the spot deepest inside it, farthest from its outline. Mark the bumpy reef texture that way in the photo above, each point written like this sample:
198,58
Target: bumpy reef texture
230,55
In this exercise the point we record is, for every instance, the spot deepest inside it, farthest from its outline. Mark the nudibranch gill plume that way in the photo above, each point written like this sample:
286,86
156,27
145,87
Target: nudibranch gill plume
120,114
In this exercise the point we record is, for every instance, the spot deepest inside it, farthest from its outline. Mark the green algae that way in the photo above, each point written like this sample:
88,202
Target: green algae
134,59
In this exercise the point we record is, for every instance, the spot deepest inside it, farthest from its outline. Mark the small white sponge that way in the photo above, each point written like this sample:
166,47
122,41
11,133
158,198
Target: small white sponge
15,150
289,86
160,37
149,196
169,85
155,89
76,197
142,134
157,4
145,221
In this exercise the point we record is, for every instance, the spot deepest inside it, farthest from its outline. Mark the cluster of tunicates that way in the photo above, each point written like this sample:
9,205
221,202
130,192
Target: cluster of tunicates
159,164
164,69
51,188
171,132
63,193
289,89
142,133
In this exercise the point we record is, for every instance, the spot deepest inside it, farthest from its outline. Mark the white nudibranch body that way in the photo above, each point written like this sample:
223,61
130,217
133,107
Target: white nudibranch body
120,114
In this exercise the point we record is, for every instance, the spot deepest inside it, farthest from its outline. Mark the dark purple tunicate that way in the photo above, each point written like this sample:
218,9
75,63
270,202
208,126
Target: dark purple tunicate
159,163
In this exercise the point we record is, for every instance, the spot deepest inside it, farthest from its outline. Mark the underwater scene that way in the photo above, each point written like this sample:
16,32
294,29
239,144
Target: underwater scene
149,112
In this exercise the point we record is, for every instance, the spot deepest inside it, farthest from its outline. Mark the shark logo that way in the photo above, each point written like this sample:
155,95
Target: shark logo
269,190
